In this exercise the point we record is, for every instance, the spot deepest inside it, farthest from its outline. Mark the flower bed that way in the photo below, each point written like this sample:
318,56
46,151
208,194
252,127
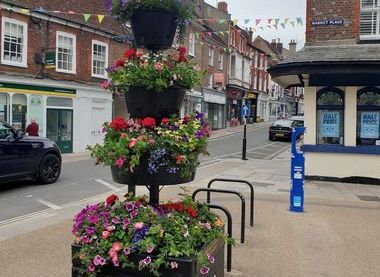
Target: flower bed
132,238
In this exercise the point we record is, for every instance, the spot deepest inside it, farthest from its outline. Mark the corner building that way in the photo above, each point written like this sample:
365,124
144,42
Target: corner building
339,67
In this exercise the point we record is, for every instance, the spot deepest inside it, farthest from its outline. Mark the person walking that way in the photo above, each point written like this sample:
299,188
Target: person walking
32,129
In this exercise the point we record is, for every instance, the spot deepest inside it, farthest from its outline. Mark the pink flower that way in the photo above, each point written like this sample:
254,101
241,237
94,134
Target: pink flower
204,270
149,249
116,246
120,162
173,265
158,66
127,251
211,258
132,143
91,267
105,234
105,85
115,261
112,253
110,228
138,225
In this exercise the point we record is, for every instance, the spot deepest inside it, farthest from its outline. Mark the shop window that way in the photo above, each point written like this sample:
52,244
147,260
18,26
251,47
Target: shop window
330,116
220,61
59,102
211,55
19,109
99,59
233,66
4,106
369,19
14,42
368,121
66,53
192,44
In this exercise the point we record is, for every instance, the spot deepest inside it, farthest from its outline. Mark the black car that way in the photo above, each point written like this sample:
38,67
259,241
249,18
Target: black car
26,157
282,129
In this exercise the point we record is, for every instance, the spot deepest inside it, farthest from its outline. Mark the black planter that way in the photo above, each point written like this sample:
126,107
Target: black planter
142,102
154,29
142,177
187,267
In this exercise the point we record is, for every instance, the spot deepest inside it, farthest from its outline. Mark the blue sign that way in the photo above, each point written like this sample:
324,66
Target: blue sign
245,110
369,125
329,124
297,174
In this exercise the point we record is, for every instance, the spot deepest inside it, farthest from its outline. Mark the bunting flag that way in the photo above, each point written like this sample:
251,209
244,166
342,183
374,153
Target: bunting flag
292,23
269,26
286,20
258,21
86,17
197,36
269,20
235,21
261,28
100,18
221,21
246,21
283,25
276,21
25,11
299,21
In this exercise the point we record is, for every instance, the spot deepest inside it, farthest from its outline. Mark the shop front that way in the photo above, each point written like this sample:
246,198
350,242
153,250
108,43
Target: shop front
235,96
341,110
192,102
214,105
262,107
54,106
251,102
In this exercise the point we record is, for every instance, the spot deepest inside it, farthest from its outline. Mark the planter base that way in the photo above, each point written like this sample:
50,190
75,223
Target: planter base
187,267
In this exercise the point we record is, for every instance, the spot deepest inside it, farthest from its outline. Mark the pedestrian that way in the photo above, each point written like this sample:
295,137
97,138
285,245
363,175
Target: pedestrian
32,129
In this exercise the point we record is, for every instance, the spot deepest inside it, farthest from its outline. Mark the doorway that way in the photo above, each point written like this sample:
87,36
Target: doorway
60,128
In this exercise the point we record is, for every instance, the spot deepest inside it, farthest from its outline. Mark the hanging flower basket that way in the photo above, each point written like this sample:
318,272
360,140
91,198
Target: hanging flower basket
143,103
154,29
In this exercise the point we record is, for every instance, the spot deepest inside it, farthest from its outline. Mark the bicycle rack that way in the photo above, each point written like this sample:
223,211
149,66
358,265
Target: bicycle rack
208,190
236,181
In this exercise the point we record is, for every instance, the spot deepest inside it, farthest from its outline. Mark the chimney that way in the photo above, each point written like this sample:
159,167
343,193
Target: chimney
279,46
292,48
223,7
250,35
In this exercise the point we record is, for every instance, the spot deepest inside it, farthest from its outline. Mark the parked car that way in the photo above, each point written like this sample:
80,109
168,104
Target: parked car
26,157
299,121
281,129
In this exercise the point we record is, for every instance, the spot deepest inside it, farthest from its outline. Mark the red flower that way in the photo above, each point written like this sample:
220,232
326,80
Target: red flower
118,123
191,212
165,121
180,159
139,55
178,207
129,53
149,122
186,119
119,63
182,52
111,199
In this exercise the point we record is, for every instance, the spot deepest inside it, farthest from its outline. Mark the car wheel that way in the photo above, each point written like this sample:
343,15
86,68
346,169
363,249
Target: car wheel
50,169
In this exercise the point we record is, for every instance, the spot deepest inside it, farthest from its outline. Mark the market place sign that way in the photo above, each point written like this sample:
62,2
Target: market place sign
35,89
327,22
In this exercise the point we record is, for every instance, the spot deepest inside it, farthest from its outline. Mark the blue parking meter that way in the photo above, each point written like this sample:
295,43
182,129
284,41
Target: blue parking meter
297,173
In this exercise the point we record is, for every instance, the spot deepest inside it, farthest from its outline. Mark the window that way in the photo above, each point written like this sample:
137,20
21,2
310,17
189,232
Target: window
14,41
368,105
66,53
192,44
210,80
99,59
233,66
19,110
220,61
330,108
211,55
369,19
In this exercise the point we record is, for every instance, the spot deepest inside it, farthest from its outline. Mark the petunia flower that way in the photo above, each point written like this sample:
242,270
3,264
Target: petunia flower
138,225
147,260
204,270
120,162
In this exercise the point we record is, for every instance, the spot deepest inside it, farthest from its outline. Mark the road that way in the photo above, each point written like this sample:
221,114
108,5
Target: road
82,180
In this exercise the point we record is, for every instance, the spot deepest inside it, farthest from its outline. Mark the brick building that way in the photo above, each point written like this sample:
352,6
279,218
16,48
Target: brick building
51,67
339,67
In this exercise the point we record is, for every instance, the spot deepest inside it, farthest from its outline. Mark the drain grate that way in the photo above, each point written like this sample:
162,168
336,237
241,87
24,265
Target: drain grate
369,198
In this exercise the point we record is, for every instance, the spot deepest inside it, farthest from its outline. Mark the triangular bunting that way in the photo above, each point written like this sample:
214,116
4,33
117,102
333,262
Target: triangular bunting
269,26
25,11
283,25
100,18
221,21
235,21
269,20
196,36
56,11
221,33
71,12
292,23
246,21
286,20
299,21
276,21
86,17
258,21
261,28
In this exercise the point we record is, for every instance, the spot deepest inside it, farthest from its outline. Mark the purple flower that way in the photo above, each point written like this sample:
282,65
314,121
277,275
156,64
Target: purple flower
147,260
108,5
134,213
115,220
199,134
173,265
104,214
126,251
106,224
204,270
185,139
199,115
123,4
93,219
211,258
129,207
91,268
90,230
98,260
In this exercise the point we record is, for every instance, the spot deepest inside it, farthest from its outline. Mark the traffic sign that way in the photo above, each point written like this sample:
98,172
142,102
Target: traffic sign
245,110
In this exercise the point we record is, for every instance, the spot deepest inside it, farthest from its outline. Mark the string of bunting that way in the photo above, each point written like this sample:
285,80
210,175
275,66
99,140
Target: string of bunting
257,22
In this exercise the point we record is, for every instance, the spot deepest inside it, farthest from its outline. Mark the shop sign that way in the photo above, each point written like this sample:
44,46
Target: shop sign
328,22
10,87
50,60
329,124
235,94
219,78
251,95
369,127
213,98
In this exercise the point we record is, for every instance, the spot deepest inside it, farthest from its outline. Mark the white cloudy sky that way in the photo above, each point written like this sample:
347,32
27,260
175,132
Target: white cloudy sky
270,9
